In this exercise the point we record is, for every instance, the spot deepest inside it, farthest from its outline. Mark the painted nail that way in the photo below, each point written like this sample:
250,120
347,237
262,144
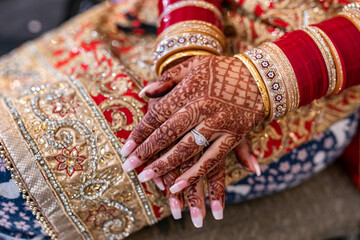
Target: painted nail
196,217
142,92
217,209
130,164
159,183
175,208
255,165
128,147
178,186
146,175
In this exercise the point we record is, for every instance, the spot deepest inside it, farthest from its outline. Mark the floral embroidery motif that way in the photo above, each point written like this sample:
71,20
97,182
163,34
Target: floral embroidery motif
64,106
70,161
9,207
2,165
98,217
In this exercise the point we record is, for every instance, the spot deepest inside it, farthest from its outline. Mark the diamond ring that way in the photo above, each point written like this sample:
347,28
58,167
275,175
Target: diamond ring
200,140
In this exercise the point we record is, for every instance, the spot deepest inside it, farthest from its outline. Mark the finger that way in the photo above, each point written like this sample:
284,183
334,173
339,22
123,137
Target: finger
179,154
195,196
245,158
176,201
213,155
159,183
152,102
168,80
216,186
157,115
175,127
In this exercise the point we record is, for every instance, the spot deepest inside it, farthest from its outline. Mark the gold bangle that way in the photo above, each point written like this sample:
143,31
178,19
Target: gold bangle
338,64
286,72
179,55
327,56
258,80
352,15
193,26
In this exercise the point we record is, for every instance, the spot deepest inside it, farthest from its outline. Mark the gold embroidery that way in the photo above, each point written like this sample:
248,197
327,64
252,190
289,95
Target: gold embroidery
49,93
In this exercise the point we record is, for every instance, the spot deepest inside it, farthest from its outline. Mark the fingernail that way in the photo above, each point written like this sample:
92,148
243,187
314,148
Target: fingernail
142,92
130,164
175,208
196,217
146,175
217,209
256,165
246,167
159,183
178,186
128,147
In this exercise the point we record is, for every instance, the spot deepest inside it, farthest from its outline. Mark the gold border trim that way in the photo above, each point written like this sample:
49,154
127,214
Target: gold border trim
26,165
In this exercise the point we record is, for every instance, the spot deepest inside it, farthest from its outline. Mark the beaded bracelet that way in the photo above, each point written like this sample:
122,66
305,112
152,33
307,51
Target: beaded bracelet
258,80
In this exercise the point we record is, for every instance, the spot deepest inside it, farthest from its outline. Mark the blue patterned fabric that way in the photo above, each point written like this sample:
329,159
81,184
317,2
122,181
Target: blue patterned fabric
298,165
17,221
16,218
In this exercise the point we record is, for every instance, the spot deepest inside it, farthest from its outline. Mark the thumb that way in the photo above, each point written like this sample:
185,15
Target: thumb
245,158
168,80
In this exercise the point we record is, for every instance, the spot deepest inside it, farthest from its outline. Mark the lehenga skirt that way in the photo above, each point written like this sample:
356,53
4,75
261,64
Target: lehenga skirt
69,101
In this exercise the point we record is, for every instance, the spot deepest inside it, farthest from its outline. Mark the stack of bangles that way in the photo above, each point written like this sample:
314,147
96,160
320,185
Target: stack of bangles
187,28
301,66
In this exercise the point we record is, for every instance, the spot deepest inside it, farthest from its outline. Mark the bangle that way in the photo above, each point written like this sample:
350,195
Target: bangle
327,56
162,4
273,83
338,61
189,3
163,66
307,63
182,42
352,6
189,13
286,72
353,15
258,80
336,28
193,26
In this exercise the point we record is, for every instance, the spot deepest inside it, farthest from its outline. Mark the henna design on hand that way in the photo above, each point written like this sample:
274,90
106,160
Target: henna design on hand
218,96
216,182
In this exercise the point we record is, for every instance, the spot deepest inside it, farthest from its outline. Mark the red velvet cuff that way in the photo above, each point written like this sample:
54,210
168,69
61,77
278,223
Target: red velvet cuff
308,64
346,37
189,13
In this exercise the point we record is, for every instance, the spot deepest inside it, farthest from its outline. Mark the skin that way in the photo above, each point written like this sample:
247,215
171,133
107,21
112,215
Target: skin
218,97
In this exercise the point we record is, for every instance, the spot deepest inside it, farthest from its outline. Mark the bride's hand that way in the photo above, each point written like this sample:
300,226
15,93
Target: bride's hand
217,97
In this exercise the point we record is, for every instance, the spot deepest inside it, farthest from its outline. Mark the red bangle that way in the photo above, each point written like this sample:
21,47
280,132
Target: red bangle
308,64
189,13
162,4
346,38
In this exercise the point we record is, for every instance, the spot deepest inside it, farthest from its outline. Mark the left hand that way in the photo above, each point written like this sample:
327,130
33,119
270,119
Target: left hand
216,96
